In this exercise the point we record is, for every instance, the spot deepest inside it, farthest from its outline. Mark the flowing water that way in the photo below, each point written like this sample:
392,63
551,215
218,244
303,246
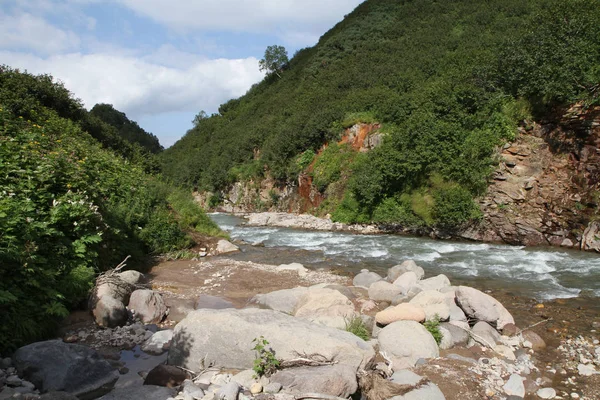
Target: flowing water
543,273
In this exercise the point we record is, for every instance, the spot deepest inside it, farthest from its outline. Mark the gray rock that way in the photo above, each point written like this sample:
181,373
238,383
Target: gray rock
427,392
409,265
433,303
366,278
5,363
458,357
590,240
58,366
148,305
482,307
459,336
229,391
225,337
146,392
514,386
485,335
384,291
245,378
109,312
406,342
406,281
132,277
546,393
226,247
299,268
273,387
115,287
158,342
586,370
281,300
58,396
334,380
325,307
191,390
405,377
436,283
13,381
457,314
9,393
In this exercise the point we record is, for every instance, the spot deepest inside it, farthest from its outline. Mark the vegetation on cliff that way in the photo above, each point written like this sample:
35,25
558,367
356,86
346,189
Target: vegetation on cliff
70,207
448,81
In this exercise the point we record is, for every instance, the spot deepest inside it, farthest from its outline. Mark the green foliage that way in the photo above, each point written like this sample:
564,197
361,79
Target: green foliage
433,327
68,209
265,362
190,215
305,159
275,59
331,164
357,327
449,81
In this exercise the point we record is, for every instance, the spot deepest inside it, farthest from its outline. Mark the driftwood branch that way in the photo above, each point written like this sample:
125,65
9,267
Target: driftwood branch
305,362
534,325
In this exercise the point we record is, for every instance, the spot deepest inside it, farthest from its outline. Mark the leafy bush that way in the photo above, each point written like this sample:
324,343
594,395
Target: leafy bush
265,362
433,327
357,327
331,164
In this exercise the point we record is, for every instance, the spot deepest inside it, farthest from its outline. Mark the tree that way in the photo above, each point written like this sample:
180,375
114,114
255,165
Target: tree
275,59
202,115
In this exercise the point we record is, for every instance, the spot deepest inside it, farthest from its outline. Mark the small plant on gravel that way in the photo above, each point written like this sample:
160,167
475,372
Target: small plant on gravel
265,362
433,326
357,326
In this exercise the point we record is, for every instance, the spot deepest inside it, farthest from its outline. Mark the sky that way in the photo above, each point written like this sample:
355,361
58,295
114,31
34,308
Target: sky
159,61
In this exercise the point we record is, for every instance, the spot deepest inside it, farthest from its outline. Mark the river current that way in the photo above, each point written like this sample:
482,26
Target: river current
542,273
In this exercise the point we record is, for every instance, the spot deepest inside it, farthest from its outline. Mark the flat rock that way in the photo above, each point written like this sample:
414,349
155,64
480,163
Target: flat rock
334,380
57,366
325,307
281,300
483,307
401,312
148,305
146,392
225,338
586,370
514,386
226,247
406,342
366,278
384,291
546,393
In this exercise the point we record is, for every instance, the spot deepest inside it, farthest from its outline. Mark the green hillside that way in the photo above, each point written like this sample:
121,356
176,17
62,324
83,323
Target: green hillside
70,207
449,81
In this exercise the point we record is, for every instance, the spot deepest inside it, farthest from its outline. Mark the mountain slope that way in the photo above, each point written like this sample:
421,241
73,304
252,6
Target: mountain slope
448,82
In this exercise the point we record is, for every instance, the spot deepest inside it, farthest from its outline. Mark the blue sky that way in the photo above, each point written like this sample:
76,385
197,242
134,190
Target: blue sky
159,61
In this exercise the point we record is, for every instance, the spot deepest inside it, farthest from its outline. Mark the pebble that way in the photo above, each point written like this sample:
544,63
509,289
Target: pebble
546,393
574,395
586,370
256,388
514,386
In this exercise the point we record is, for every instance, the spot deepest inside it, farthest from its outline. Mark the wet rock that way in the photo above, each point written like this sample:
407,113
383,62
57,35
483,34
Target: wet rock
406,342
483,307
406,281
334,380
325,307
436,283
109,312
148,305
223,338
408,265
58,366
158,343
433,303
166,375
401,312
226,247
384,291
280,300
429,391
146,392
366,278
546,393
514,386
132,277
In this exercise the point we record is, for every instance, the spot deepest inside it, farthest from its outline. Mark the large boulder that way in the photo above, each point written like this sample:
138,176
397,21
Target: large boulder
406,281
224,338
132,277
486,335
326,307
226,247
148,305
483,307
401,312
408,265
109,312
366,278
436,283
334,380
57,366
454,335
384,291
114,287
434,304
281,300
407,341
147,392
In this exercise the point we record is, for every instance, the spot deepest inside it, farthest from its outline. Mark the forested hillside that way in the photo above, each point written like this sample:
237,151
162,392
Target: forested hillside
70,207
447,81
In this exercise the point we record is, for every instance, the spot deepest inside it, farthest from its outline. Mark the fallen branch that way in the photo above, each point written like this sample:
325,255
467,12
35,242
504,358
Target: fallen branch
534,325
305,362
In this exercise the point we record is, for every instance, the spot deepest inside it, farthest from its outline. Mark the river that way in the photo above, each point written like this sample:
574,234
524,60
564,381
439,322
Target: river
542,273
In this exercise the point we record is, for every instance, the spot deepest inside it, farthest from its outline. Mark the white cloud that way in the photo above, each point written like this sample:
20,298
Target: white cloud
140,87
24,30
291,18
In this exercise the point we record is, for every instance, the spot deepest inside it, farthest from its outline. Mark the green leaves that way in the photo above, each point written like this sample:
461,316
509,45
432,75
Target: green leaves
265,362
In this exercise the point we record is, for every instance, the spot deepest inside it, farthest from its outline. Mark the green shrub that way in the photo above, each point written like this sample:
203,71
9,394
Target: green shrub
265,362
357,327
331,164
352,119
433,327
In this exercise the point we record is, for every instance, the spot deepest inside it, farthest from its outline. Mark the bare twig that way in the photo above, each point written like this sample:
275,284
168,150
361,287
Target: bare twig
534,325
